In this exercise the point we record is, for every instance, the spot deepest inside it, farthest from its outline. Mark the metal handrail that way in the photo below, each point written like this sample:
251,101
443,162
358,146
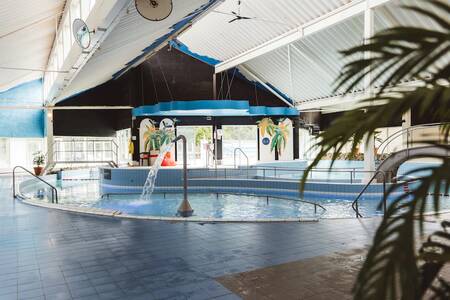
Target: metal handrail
382,147
54,190
355,202
234,156
351,171
208,153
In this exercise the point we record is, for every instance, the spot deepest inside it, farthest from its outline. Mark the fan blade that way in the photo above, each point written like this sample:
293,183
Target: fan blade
235,19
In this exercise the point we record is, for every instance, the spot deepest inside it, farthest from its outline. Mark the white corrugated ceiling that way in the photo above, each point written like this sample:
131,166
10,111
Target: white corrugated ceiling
314,62
129,38
27,30
213,36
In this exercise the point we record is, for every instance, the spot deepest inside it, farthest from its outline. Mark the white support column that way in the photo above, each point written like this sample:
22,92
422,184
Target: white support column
406,123
369,146
49,133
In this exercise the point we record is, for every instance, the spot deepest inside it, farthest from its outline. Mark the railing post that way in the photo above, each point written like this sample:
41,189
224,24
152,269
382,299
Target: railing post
384,193
14,183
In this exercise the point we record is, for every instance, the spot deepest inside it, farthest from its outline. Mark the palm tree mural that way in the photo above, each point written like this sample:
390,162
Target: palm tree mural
278,133
397,267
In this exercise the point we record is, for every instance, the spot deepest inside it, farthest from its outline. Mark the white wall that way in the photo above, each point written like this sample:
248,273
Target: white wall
19,152
265,155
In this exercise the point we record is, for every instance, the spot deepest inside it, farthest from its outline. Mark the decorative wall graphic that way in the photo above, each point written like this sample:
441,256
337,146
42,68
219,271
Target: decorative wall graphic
265,126
279,134
145,126
266,141
167,124
286,128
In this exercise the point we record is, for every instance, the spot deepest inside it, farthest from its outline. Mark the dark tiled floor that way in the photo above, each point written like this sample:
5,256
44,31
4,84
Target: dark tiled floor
47,254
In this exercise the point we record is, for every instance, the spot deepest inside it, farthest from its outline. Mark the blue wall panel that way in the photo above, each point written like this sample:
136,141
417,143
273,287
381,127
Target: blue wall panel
22,122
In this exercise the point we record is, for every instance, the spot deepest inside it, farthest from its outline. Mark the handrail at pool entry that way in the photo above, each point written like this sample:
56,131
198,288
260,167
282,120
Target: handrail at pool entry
54,190
208,153
355,202
245,155
383,146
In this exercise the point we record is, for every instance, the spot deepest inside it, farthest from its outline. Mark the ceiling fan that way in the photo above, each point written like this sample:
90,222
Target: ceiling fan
238,15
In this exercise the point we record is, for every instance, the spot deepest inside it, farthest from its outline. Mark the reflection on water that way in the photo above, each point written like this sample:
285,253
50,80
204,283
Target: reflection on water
86,194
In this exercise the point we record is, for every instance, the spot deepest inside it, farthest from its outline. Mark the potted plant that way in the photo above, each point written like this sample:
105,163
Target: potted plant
154,139
38,161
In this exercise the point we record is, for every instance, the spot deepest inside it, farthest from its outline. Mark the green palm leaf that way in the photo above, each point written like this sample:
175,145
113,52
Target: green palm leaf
393,269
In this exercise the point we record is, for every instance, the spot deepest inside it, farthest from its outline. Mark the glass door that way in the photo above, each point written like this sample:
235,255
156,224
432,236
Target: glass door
198,138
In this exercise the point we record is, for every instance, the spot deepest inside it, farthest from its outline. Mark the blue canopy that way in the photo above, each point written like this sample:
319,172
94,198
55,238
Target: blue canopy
213,108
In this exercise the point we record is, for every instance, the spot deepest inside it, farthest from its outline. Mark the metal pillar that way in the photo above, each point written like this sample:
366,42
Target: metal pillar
184,210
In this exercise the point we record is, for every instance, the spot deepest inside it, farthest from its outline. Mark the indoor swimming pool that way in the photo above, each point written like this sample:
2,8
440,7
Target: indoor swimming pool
214,206
213,196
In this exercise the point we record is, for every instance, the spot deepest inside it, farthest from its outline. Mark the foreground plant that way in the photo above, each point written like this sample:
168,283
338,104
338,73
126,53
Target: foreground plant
396,267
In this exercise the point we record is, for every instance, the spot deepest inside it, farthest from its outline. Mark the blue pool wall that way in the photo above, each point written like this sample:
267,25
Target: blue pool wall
131,180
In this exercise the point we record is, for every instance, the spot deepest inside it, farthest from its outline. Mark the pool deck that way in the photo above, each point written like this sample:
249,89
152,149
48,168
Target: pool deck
50,254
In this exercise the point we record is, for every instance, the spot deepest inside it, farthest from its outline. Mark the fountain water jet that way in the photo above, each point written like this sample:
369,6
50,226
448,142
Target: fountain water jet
149,185
184,210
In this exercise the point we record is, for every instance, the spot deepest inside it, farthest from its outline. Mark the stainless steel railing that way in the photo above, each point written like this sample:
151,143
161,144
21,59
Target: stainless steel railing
382,148
355,203
54,190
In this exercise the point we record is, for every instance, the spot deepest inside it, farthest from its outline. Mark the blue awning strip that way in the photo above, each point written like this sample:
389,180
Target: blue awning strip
214,108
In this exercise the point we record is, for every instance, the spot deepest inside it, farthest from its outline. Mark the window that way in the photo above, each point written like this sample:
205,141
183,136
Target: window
4,153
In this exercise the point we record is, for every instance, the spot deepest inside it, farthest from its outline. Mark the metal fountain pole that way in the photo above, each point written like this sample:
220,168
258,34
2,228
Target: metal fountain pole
184,210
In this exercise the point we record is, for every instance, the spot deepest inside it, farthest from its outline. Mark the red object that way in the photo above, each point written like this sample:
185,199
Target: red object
168,160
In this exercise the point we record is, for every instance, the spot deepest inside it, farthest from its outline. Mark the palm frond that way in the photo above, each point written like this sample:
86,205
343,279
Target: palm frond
391,262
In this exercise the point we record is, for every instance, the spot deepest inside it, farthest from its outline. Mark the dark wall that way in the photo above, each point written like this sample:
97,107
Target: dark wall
168,75
326,120
90,122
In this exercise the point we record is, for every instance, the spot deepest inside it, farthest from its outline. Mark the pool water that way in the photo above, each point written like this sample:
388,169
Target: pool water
219,206
208,205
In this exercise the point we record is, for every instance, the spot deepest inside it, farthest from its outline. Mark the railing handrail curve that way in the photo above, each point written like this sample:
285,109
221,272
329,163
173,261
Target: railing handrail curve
242,151
54,190
382,147
355,202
